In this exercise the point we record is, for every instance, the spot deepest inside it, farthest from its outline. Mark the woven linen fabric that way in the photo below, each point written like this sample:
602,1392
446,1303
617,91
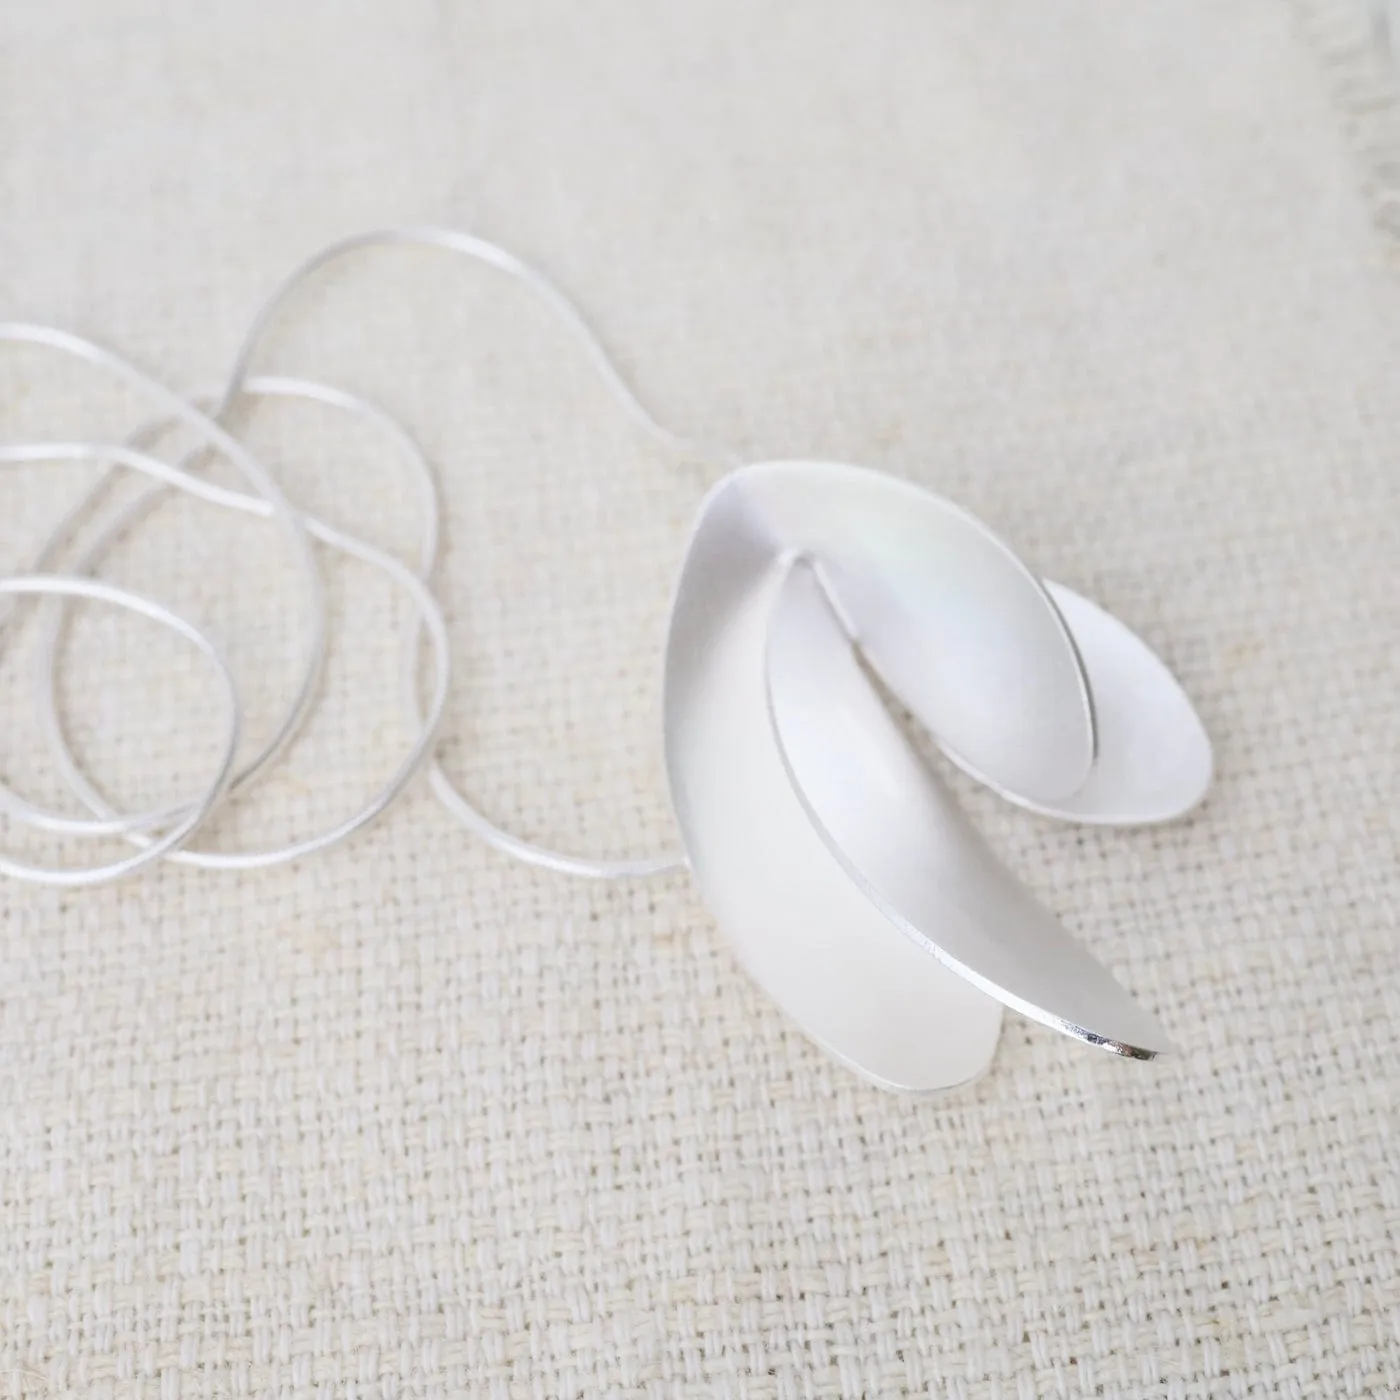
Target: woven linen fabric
410,1120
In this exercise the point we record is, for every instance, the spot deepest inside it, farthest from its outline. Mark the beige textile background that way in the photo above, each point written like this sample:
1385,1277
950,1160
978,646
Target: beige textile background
408,1120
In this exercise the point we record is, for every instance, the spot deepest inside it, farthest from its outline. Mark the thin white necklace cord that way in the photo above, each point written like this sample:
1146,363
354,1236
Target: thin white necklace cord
168,833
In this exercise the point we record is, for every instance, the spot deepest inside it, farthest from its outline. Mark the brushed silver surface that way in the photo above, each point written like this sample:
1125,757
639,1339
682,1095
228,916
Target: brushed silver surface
897,830
835,859
947,615
1154,759
798,922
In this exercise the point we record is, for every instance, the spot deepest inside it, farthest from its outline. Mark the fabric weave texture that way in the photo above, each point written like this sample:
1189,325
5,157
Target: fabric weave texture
410,1121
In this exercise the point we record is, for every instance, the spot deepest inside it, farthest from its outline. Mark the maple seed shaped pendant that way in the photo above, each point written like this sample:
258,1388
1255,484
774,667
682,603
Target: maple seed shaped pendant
833,856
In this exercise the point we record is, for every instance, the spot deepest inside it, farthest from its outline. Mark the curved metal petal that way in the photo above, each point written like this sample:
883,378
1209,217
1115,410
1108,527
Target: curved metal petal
898,832
838,863
947,615
1154,762
801,925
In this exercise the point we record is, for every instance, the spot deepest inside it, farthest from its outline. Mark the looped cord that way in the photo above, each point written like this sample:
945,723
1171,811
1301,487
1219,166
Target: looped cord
168,833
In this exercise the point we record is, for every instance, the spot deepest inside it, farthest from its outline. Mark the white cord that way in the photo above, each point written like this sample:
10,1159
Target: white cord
168,833
40,585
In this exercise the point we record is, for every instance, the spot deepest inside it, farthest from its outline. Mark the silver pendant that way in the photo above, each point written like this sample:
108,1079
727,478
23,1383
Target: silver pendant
834,857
